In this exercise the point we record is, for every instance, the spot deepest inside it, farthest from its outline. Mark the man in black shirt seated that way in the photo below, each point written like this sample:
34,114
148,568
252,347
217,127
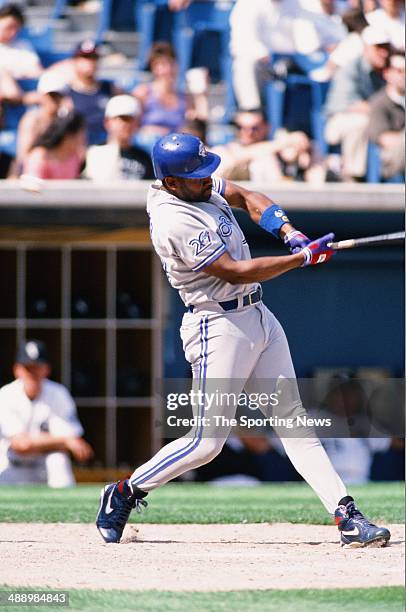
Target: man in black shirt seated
119,159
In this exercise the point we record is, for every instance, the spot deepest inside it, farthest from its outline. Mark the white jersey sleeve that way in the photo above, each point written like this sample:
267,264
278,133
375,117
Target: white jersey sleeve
219,185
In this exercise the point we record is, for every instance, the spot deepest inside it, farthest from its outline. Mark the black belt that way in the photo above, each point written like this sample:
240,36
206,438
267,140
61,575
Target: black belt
247,300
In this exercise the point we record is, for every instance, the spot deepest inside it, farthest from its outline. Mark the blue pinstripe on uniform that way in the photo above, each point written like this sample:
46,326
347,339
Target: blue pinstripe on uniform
194,443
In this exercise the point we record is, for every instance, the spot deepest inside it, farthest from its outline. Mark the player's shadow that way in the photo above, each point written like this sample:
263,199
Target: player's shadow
21,542
135,540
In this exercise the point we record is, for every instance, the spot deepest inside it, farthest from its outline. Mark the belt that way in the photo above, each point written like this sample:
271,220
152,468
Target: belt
250,298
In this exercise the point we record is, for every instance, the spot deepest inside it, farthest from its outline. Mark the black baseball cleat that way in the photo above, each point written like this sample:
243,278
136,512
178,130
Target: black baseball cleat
116,502
356,531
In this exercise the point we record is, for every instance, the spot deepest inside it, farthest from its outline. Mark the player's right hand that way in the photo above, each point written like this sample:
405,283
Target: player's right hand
317,251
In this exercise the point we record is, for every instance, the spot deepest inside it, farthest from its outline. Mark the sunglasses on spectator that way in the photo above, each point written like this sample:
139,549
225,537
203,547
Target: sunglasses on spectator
125,117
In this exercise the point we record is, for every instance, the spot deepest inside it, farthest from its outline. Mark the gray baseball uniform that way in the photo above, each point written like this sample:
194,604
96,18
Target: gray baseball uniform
237,348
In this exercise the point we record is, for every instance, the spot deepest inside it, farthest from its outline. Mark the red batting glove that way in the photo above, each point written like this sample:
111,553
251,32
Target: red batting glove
318,252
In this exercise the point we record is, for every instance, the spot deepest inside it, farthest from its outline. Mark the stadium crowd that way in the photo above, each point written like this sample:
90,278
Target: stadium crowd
315,84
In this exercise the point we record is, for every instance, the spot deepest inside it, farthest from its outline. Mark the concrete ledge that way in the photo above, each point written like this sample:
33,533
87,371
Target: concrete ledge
131,195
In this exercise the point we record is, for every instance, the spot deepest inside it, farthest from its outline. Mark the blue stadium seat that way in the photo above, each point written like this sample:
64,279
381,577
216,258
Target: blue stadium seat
201,19
51,57
42,39
12,116
296,102
59,9
8,142
14,112
374,167
201,38
154,21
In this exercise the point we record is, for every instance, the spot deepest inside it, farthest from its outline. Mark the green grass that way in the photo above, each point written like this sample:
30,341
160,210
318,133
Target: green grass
193,503
387,599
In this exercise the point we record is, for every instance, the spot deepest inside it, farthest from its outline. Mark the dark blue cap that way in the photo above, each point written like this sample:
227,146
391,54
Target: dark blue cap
32,351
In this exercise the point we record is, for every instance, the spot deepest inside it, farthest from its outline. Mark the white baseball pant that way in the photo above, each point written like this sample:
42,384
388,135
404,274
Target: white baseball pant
239,348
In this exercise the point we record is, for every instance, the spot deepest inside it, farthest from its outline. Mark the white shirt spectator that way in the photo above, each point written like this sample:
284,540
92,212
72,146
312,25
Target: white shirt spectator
53,411
393,26
260,28
347,50
352,457
20,60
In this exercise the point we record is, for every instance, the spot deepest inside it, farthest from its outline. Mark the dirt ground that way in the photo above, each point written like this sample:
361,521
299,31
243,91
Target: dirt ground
194,557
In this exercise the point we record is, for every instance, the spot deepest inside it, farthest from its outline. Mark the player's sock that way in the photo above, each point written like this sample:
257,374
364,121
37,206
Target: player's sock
345,500
128,489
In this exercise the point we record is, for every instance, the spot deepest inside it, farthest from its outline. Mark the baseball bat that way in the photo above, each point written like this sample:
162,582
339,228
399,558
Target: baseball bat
369,241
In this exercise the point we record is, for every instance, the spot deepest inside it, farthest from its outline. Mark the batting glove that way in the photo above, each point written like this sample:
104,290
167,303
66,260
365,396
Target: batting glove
296,241
317,252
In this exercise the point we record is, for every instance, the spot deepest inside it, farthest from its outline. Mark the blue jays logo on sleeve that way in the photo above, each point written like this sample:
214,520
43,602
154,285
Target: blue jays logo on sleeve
225,226
201,242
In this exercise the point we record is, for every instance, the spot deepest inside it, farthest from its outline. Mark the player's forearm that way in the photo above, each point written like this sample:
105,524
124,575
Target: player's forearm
264,268
38,444
255,204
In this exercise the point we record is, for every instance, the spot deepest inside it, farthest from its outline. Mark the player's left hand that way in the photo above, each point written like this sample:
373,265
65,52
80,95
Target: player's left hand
79,449
317,251
296,241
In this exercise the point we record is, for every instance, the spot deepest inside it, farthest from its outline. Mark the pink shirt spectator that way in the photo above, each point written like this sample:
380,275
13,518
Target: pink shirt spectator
43,164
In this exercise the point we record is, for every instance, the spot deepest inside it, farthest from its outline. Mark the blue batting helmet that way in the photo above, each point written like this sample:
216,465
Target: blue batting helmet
184,156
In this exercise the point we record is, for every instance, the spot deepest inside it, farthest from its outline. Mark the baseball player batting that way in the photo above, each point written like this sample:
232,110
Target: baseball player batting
227,331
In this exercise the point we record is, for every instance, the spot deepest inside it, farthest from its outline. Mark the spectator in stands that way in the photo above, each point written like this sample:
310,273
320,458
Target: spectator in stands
391,17
16,56
387,118
353,432
247,460
260,28
367,5
251,153
352,46
252,157
178,5
59,152
347,106
53,102
39,427
119,158
9,90
196,127
164,106
90,95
